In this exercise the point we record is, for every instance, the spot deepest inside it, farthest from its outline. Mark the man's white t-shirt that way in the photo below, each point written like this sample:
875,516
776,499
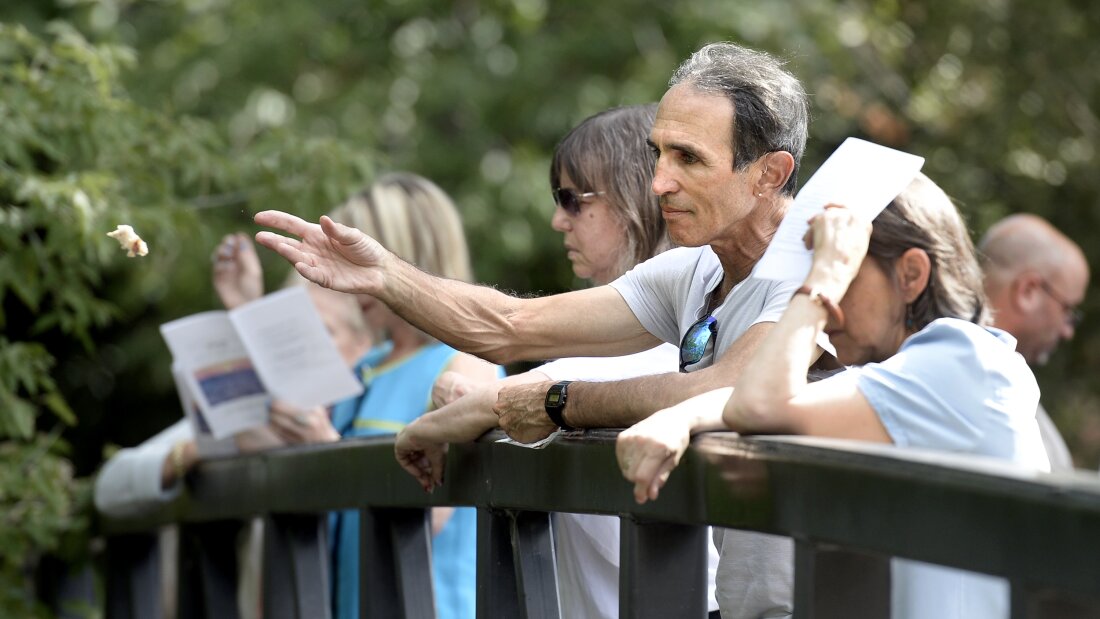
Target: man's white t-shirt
587,545
668,293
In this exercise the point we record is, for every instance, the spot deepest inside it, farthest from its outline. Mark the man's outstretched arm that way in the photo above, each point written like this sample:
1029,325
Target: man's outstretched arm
475,319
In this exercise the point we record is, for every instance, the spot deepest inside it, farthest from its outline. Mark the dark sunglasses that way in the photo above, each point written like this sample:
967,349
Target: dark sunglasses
695,342
570,199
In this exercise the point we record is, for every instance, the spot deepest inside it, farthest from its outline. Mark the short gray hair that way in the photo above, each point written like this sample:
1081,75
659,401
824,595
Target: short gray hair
770,108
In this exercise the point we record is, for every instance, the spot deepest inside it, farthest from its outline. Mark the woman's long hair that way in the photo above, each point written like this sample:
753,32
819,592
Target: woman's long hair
923,216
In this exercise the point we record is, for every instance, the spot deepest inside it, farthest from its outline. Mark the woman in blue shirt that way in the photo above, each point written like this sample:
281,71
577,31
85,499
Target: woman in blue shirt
925,372
416,220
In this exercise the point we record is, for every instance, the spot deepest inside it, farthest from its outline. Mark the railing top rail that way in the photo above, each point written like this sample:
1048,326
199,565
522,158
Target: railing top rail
971,513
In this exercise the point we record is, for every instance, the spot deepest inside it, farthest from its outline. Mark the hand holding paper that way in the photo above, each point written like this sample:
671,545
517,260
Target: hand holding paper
233,363
862,176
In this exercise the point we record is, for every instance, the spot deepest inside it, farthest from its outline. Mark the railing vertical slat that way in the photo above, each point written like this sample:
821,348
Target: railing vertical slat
208,570
296,567
133,576
1044,603
497,591
662,570
830,582
536,573
395,564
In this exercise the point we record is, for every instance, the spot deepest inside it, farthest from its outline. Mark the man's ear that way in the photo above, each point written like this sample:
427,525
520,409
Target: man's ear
913,269
1025,291
775,168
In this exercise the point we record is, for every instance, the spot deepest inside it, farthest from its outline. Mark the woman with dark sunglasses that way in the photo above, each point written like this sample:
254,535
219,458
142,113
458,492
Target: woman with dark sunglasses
610,220
924,371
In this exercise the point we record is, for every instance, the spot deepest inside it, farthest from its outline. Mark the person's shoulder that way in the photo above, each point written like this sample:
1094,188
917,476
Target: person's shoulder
436,352
681,255
988,348
703,250
753,291
437,346
675,266
955,331
373,357
769,285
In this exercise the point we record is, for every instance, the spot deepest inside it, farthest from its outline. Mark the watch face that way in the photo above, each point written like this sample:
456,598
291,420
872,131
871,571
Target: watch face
555,396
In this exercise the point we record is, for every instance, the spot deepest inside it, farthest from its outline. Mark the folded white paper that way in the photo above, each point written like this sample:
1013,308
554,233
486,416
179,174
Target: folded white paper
861,176
232,364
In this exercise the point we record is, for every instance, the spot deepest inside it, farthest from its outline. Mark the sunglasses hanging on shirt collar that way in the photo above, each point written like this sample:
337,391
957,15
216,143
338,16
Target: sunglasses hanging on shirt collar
695,342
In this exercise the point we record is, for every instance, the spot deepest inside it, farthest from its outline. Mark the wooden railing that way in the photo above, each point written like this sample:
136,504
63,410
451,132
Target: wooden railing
849,507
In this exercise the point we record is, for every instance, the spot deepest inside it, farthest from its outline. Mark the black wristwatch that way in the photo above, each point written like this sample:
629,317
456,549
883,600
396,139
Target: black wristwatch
555,404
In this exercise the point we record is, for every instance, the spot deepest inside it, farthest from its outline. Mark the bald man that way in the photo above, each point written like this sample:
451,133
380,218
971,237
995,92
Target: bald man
1035,278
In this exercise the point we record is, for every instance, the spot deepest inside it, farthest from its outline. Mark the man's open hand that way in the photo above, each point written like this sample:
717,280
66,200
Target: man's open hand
330,254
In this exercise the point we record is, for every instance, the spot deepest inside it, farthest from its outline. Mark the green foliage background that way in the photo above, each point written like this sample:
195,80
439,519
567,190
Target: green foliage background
184,117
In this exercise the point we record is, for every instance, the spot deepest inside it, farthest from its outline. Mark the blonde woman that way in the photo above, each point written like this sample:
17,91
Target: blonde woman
416,220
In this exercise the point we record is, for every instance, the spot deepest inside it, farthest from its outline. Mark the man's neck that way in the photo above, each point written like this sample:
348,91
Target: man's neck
740,252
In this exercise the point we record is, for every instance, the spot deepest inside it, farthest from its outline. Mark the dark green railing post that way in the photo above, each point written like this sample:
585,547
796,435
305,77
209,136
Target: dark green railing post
536,572
497,590
662,570
395,564
208,570
833,583
133,576
296,567
1046,603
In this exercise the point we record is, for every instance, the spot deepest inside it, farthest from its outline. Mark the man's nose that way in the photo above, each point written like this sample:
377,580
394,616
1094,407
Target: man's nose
663,181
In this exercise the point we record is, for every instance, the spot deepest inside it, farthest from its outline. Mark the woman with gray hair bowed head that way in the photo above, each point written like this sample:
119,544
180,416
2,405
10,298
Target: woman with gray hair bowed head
902,301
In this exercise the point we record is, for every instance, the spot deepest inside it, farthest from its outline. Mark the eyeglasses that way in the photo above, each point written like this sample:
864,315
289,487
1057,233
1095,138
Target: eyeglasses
570,199
695,342
1074,316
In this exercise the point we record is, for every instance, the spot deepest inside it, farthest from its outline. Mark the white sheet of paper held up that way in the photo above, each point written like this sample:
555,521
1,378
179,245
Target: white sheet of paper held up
862,176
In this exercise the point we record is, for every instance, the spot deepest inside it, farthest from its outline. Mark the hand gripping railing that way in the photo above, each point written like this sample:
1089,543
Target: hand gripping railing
849,507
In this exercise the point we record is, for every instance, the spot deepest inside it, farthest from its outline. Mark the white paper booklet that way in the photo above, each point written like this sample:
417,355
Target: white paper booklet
207,445
232,364
863,176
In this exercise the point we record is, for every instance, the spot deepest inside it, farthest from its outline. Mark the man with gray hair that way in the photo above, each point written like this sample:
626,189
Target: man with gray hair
729,134
1035,277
